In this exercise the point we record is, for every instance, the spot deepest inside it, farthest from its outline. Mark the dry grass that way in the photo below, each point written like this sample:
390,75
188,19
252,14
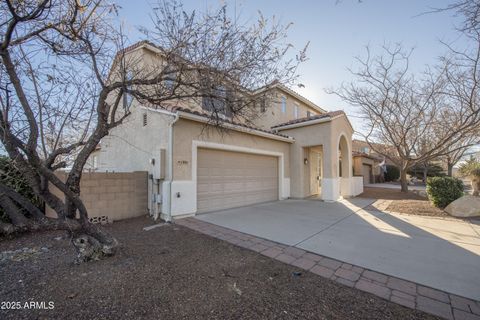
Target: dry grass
407,203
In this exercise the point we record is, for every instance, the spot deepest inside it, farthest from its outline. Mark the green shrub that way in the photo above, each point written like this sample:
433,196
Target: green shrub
443,190
392,174
11,176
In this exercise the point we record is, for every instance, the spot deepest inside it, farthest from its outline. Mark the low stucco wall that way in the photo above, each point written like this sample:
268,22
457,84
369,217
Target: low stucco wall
356,185
118,196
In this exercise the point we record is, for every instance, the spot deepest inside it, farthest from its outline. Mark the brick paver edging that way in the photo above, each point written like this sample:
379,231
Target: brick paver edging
406,293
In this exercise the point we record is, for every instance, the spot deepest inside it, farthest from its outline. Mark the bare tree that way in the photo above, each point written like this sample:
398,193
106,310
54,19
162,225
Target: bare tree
414,119
460,150
60,94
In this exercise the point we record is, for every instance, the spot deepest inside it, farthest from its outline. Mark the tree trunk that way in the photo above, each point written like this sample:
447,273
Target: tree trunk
403,180
425,173
475,186
449,169
90,241
93,243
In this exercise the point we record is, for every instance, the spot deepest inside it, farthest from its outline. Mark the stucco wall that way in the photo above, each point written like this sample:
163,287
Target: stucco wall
274,115
185,131
189,135
326,134
131,146
115,195
308,136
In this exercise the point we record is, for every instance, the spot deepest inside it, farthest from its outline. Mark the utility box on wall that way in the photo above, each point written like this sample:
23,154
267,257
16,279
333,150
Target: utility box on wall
159,165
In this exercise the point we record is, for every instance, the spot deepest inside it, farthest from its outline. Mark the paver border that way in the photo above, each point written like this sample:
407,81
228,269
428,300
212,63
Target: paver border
403,292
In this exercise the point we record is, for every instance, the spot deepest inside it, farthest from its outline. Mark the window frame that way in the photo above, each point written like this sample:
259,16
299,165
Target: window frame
283,104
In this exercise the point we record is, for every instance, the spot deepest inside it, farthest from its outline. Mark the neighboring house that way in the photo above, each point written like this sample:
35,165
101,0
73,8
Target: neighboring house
294,150
366,162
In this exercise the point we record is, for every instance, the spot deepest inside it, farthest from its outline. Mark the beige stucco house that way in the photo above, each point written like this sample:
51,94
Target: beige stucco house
295,150
367,163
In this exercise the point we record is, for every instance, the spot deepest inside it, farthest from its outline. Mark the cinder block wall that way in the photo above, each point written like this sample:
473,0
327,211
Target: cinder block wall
118,195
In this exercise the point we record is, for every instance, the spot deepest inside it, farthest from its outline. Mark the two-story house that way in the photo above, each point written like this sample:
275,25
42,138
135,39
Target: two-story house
295,149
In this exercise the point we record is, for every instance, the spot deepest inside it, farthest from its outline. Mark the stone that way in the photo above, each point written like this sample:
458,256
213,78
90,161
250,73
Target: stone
375,276
303,263
433,293
322,271
434,307
464,207
373,288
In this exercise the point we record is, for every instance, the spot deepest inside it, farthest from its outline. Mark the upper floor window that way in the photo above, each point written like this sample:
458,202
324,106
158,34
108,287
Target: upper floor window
309,114
263,105
170,77
295,111
95,162
365,150
284,104
219,101
127,97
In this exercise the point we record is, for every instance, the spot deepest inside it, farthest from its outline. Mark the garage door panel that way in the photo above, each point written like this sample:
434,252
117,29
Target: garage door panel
232,179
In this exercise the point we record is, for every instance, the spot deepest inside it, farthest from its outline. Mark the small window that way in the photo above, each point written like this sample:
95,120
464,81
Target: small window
263,105
284,104
170,79
221,100
127,97
309,114
365,150
295,111
144,119
94,162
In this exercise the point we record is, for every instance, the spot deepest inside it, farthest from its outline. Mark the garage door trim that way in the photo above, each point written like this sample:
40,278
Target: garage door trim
227,147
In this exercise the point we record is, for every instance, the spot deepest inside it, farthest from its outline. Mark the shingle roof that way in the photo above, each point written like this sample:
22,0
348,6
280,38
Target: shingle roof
330,114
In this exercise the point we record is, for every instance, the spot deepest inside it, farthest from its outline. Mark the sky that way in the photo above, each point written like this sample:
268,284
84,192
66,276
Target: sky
338,31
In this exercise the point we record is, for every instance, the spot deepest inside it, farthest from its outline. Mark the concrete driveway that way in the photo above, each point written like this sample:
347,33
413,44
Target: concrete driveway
436,252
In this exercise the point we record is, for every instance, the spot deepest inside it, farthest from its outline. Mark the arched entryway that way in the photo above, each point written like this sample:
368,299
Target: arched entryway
344,165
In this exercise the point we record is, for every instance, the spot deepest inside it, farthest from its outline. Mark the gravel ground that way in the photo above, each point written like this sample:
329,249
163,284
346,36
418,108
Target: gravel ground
389,194
172,272
406,203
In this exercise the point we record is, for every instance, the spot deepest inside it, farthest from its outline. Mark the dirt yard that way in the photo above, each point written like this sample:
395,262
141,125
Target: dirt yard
174,273
407,203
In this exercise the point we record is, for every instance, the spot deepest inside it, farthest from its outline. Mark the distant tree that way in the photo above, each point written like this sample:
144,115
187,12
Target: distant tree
459,150
66,81
409,119
471,169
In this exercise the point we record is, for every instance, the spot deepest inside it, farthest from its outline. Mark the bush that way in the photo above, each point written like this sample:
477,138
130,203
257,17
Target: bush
392,174
11,176
443,190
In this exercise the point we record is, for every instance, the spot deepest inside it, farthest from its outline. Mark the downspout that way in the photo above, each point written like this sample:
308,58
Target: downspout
170,167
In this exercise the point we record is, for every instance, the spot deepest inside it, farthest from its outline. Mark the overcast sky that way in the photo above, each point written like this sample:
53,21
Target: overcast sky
337,33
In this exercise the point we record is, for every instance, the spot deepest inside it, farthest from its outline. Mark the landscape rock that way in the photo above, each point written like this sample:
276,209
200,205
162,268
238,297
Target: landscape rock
464,207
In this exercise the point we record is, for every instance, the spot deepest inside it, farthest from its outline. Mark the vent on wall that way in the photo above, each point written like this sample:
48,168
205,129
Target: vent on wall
144,119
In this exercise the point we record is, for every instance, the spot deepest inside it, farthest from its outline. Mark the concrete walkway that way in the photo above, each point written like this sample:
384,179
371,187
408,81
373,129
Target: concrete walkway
436,252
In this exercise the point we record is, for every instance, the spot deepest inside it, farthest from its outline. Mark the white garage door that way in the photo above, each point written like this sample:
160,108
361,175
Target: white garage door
228,179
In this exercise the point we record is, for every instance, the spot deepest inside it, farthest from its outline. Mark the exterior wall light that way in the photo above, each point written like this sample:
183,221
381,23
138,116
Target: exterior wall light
305,161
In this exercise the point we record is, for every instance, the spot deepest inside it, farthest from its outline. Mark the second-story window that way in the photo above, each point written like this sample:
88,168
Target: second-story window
295,111
365,150
284,104
263,105
169,79
127,97
220,101
309,114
